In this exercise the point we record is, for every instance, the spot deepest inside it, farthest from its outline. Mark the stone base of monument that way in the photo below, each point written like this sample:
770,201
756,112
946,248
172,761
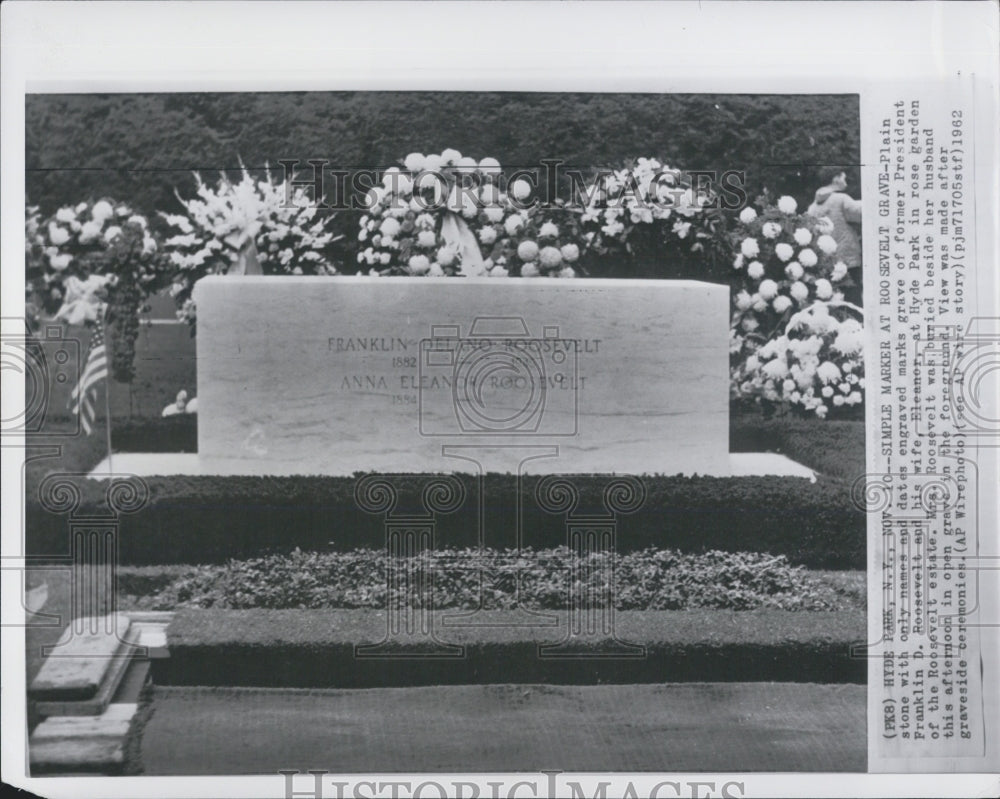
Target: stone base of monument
149,464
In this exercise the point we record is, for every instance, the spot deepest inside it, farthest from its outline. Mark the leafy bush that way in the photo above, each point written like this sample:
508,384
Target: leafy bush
493,579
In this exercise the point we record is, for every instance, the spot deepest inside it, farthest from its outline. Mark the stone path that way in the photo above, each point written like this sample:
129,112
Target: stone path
87,690
476,728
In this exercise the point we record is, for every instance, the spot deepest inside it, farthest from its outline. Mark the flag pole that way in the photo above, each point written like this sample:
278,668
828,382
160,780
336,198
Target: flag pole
107,386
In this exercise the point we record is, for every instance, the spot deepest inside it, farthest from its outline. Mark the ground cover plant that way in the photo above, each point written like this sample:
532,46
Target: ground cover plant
651,579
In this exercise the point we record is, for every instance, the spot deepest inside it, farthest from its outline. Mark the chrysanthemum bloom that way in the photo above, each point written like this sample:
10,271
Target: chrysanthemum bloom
839,271
68,215
548,231
512,224
530,270
799,291
771,230
467,165
498,271
435,270
808,258
520,189
802,236
91,230
102,210
756,270
747,215
414,162
61,261
570,252
112,233
433,163
759,303
781,303
419,264
827,391
784,251
768,289
794,270
451,156
787,205
827,372
446,256
750,248
567,271
823,289
58,235
494,213
426,238
828,244
549,257
489,166
743,301
389,227
776,369
487,235
738,262
527,251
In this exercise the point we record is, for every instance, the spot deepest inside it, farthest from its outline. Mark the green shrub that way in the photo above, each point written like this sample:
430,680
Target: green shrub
493,579
178,433
316,648
832,448
211,519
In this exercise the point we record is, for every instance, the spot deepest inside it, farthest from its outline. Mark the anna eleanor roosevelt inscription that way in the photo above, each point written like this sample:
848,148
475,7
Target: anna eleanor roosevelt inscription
335,376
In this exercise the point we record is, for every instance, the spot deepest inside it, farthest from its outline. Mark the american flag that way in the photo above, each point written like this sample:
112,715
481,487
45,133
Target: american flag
96,369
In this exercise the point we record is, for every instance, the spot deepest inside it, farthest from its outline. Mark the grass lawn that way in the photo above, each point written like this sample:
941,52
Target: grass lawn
671,728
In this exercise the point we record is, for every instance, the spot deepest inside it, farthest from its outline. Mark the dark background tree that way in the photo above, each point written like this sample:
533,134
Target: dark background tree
140,147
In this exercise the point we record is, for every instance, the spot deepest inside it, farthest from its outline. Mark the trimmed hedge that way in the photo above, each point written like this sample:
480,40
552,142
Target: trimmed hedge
300,648
833,448
177,433
211,519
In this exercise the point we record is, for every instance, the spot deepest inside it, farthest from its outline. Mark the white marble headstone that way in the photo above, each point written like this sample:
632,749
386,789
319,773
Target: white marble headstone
317,375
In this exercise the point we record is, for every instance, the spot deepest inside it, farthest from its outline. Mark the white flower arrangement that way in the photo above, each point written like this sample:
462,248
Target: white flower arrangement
290,237
420,222
648,207
792,334
76,244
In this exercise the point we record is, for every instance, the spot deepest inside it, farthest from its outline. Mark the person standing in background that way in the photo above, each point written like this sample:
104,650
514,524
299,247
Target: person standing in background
844,212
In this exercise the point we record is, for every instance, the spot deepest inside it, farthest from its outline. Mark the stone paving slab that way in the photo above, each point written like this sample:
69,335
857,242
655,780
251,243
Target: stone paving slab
97,702
671,727
79,663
